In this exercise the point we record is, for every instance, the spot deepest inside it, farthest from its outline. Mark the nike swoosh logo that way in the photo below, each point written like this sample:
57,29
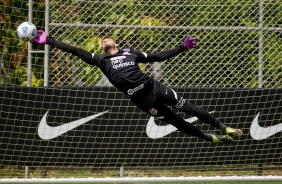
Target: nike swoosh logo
259,133
155,132
47,132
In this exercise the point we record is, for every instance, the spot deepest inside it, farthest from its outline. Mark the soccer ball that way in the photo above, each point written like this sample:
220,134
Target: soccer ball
26,31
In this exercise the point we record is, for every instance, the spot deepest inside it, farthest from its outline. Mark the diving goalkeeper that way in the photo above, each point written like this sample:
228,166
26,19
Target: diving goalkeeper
120,66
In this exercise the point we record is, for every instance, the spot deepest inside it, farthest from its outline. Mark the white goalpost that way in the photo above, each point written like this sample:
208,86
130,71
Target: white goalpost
61,121
147,179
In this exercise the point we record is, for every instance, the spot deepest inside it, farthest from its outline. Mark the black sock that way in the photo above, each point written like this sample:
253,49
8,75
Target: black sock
202,115
190,129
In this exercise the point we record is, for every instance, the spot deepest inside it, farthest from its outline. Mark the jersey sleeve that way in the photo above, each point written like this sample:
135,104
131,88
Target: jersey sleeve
141,56
90,58
159,56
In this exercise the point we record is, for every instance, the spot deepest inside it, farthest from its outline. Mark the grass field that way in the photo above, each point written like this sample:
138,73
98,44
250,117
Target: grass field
98,173
199,182
278,182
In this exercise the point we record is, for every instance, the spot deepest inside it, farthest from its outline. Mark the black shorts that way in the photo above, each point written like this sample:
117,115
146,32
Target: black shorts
156,100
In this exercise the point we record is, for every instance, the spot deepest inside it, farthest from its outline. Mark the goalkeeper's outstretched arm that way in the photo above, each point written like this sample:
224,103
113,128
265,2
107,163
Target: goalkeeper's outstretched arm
163,55
189,43
83,54
110,47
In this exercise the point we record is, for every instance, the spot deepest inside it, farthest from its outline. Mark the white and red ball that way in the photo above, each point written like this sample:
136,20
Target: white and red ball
26,31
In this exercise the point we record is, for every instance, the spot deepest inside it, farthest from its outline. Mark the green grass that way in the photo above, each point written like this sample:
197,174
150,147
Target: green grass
76,172
245,182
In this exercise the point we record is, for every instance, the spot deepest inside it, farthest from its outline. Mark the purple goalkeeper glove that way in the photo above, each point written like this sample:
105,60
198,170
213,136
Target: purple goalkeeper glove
41,38
189,43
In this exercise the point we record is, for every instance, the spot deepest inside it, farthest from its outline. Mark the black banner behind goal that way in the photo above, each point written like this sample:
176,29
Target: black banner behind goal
99,126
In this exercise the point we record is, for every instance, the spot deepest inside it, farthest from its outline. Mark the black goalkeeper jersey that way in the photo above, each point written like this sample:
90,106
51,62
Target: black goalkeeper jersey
121,68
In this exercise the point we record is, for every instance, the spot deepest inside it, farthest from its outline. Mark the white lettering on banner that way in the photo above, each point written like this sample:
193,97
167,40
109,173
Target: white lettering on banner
259,133
155,131
47,132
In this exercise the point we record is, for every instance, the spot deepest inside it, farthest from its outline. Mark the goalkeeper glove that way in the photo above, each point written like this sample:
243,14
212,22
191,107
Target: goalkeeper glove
41,38
189,43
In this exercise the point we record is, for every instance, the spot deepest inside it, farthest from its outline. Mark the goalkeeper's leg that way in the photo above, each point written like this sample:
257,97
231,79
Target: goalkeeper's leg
171,118
206,117
170,97
163,113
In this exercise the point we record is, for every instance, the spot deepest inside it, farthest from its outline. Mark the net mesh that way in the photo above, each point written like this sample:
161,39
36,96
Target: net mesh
230,44
13,52
239,46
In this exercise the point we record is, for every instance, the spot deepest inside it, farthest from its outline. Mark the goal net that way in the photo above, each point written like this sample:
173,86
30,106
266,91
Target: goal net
61,118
